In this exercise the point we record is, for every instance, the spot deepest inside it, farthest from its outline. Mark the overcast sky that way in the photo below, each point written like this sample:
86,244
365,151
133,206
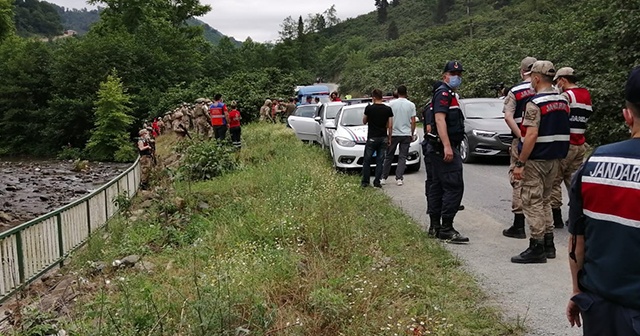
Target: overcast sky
260,19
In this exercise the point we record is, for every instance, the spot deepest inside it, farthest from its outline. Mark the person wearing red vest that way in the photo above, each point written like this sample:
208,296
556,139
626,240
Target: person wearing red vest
219,117
545,141
604,223
234,125
580,105
514,105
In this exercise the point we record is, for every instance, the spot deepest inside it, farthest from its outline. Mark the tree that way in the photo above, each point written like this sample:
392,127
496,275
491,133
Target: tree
395,3
331,16
300,27
6,19
131,14
442,9
288,29
110,134
382,6
392,32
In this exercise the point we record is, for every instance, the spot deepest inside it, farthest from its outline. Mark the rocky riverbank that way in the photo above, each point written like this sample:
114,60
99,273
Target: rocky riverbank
29,189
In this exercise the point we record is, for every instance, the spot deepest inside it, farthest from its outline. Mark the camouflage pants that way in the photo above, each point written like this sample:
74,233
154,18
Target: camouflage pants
516,202
568,167
537,184
203,126
145,167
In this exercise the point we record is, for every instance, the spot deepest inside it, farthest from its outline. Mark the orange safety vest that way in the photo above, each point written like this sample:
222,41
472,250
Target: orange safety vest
217,111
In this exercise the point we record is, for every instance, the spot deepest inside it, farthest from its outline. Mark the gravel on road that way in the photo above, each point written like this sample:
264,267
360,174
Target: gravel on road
535,294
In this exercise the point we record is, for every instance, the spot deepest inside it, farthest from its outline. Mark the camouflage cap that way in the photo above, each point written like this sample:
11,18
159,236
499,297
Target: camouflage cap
527,63
544,67
632,89
143,131
566,71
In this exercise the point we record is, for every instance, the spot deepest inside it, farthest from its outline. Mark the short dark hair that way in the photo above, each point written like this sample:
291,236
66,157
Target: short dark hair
217,96
309,97
402,90
290,100
545,78
571,79
635,109
376,93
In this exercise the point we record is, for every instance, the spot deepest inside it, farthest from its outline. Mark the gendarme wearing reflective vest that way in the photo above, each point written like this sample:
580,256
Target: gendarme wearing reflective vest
581,109
514,105
545,141
605,225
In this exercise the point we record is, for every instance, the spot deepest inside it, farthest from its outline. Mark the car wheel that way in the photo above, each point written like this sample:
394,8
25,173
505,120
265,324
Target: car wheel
465,151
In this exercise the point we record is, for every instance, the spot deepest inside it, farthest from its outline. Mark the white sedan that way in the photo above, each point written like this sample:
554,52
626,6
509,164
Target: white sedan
315,122
350,136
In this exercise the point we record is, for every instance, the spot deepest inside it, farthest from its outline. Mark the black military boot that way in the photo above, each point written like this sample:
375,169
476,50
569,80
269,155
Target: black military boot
434,226
517,229
534,254
558,223
549,247
449,234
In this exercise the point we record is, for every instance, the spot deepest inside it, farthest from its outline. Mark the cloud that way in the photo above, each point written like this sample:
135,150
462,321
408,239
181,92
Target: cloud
260,19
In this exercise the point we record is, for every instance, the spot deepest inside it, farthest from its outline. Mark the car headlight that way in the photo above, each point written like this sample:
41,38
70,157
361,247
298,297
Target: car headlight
344,142
484,134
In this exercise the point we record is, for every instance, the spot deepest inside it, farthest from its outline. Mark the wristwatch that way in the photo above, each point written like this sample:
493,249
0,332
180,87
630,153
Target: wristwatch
519,164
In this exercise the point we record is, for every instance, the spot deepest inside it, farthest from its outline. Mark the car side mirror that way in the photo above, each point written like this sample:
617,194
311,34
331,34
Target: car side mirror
318,119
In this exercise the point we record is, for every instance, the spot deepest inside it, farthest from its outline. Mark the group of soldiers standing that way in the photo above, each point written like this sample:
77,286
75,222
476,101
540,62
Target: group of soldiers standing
209,119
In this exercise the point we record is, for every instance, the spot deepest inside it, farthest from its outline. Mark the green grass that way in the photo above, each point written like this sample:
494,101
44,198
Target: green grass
287,247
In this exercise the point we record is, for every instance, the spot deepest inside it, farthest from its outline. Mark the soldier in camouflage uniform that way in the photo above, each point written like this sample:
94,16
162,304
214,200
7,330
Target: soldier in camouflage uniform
201,112
146,157
178,125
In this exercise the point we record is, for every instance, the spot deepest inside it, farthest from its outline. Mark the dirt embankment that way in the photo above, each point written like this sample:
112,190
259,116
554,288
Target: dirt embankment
29,189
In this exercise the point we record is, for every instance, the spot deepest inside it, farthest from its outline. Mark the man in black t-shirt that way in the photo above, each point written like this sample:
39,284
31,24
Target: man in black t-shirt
379,117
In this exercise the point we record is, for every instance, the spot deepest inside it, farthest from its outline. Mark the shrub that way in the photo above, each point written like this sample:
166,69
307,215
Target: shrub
70,153
126,153
206,160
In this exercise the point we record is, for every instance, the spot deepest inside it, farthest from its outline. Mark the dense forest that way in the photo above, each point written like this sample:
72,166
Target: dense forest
48,90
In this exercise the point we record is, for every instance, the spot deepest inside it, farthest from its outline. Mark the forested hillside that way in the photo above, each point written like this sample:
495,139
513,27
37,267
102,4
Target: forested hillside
597,38
48,90
37,18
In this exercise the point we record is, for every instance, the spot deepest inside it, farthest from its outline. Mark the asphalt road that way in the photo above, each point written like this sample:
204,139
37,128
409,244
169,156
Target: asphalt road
536,294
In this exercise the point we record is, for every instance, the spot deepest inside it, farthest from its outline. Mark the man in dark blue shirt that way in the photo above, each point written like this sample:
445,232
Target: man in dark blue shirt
605,225
447,185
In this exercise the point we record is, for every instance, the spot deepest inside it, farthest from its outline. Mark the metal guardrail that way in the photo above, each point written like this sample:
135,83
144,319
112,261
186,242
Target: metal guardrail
31,249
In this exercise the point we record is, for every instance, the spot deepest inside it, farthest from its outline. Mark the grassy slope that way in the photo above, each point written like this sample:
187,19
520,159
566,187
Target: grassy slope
288,247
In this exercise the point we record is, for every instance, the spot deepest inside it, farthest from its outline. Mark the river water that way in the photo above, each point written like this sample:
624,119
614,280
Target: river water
30,188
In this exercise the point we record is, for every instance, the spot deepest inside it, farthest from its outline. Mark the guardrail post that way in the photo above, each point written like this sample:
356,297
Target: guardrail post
60,239
106,206
88,217
20,257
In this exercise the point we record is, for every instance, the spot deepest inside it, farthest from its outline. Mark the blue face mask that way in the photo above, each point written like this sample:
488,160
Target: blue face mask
455,82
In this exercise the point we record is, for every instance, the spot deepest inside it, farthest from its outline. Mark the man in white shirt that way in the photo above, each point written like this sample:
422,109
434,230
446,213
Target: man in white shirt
404,127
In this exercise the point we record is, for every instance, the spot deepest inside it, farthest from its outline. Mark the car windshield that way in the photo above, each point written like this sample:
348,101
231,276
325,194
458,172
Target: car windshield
332,111
306,111
484,110
352,117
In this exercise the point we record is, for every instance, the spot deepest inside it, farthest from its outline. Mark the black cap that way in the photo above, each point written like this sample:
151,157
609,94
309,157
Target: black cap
632,89
453,66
